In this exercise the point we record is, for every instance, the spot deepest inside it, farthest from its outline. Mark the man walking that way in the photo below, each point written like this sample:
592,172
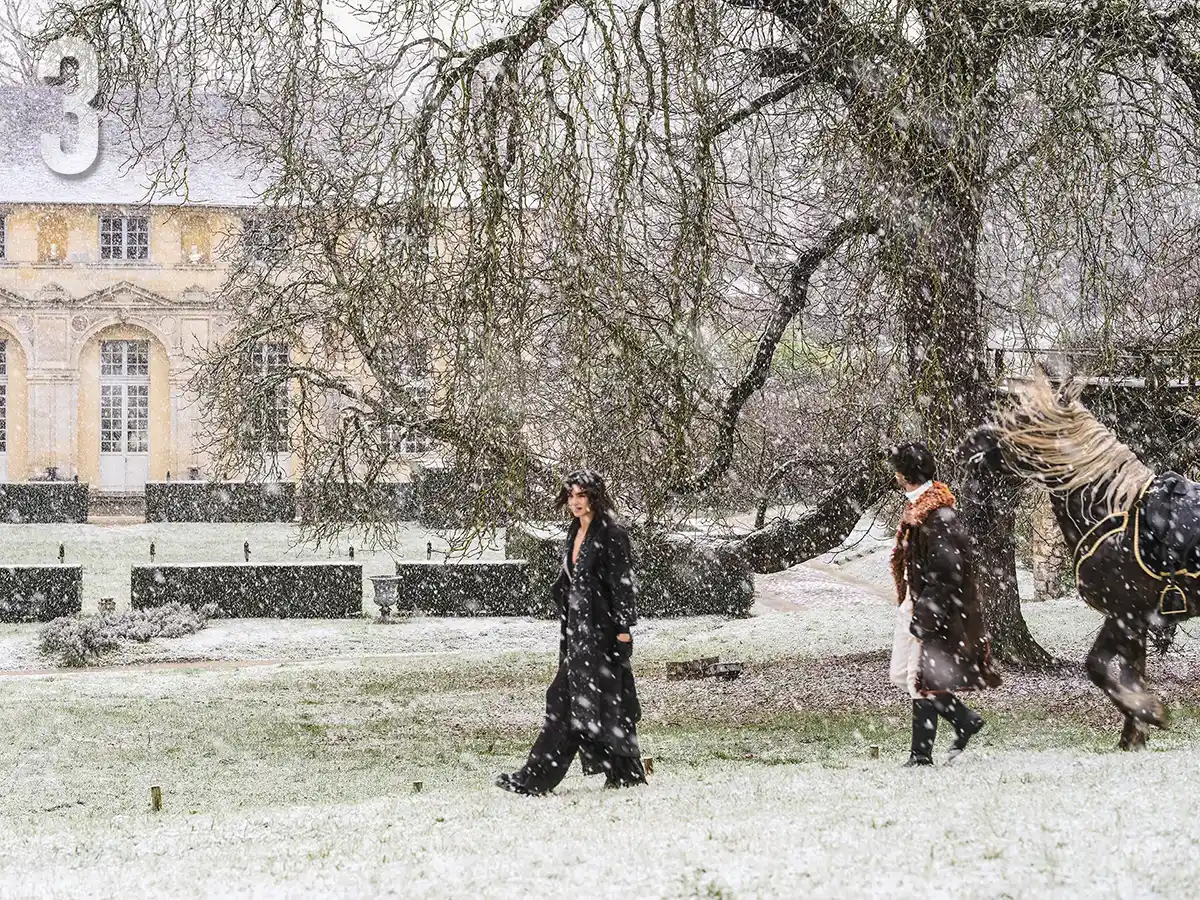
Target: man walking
940,645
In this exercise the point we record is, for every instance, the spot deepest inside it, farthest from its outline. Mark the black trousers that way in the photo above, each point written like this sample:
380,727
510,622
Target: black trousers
925,721
555,750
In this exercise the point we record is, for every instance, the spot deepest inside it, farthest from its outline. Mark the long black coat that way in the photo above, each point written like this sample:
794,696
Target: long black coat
947,618
593,692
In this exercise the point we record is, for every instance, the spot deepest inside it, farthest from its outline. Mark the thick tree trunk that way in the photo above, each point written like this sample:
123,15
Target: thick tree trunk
989,513
944,333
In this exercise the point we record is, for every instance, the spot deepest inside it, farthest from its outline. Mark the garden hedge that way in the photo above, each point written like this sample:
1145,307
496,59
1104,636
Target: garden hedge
253,590
220,501
40,593
470,588
677,574
43,502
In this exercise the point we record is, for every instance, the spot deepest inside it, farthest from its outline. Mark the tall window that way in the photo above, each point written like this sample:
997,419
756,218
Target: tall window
3,396
268,427
52,239
195,241
399,441
265,238
407,365
124,397
3,235
124,237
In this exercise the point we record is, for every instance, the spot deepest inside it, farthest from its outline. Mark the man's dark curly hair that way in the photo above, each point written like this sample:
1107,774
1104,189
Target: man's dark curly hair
914,462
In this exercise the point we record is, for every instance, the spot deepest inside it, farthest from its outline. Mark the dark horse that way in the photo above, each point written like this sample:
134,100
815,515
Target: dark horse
1135,535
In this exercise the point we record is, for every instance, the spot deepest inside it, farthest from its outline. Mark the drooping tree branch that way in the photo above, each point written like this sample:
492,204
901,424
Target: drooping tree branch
791,303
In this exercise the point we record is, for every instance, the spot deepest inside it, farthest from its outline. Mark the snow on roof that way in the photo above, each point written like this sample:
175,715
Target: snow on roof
214,177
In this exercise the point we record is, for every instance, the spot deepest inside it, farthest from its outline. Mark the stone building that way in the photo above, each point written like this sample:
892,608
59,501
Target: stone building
104,297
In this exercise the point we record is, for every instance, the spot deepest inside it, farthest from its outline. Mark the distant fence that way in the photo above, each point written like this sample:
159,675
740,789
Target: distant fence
1115,368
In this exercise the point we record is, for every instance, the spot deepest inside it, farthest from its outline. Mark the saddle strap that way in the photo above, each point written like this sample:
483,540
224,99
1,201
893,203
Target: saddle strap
1097,535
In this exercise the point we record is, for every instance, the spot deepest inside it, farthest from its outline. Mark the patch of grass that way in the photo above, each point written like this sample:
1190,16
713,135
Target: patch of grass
349,732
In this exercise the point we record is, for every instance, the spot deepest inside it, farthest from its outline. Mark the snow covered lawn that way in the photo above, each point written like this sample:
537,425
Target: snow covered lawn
296,780
287,753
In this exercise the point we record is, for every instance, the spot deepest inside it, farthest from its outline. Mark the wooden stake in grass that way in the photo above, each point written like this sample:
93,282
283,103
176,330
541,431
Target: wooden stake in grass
873,752
648,763
417,785
156,798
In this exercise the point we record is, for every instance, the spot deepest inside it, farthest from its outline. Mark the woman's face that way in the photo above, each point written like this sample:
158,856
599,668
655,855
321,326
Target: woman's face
578,501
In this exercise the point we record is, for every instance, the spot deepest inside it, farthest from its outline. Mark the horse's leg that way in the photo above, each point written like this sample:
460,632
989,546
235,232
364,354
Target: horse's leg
1133,735
1127,692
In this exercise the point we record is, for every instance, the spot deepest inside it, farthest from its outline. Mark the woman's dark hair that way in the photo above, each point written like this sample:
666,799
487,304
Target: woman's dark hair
592,484
914,462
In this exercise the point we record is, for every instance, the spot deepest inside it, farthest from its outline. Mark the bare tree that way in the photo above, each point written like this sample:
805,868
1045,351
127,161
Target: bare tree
566,198
18,20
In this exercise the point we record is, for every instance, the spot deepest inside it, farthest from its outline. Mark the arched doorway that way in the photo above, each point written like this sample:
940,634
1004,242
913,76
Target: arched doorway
124,409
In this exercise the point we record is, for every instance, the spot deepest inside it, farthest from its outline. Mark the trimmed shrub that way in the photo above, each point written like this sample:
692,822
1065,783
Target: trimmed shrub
43,502
40,593
463,589
338,501
76,641
678,574
243,590
220,501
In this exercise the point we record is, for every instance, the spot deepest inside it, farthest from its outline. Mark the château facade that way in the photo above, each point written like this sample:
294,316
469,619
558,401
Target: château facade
105,297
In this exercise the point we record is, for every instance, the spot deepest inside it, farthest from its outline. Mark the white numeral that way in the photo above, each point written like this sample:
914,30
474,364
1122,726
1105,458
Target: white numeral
87,85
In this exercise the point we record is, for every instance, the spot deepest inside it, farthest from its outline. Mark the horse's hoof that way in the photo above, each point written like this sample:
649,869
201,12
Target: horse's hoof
1133,745
1157,716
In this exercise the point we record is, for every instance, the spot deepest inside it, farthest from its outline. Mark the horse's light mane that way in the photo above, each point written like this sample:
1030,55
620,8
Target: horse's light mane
1060,444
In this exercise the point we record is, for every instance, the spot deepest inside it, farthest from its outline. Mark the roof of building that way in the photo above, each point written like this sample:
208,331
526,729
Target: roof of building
214,177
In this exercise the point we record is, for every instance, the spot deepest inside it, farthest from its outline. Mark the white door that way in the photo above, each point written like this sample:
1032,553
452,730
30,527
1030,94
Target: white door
3,411
124,415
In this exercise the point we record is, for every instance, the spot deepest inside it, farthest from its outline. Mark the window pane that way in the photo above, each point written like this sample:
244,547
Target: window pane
112,357
137,237
110,238
111,406
137,426
137,358
3,418
3,357
3,234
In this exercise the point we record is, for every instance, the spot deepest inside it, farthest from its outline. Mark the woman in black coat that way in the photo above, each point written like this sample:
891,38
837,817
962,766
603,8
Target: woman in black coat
591,707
